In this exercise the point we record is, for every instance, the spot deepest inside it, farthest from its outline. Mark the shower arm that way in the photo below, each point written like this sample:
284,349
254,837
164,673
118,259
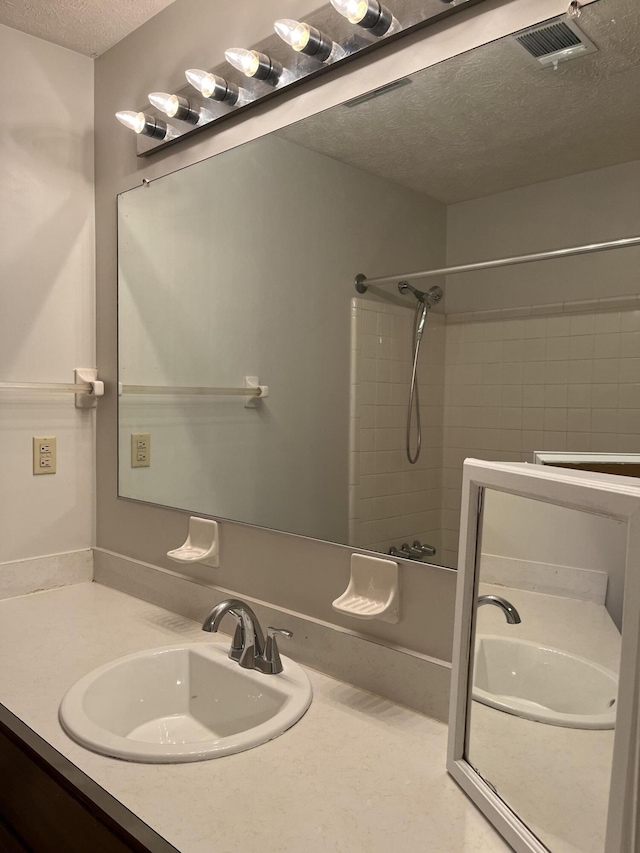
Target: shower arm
362,282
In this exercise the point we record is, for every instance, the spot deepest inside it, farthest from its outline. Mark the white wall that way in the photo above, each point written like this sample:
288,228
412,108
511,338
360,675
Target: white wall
47,291
523,529
591,207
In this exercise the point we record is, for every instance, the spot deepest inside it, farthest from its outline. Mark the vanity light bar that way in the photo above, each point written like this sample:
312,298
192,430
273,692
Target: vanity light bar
298,51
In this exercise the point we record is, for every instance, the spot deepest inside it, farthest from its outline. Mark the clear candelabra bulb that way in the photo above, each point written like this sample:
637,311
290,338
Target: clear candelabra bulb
203,81
246,61
212,86
166,103
353,10
294,33
134,121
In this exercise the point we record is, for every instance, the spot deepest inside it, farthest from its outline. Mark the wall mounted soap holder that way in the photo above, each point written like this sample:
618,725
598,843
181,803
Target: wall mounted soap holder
202,544
373,590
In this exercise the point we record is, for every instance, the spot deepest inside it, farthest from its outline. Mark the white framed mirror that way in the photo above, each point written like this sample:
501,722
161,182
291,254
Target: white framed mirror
545,693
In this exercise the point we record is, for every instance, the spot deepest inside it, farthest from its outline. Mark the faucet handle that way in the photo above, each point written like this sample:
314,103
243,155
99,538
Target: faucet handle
426,550
272,662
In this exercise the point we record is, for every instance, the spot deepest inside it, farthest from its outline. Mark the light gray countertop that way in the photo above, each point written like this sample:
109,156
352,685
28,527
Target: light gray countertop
356,774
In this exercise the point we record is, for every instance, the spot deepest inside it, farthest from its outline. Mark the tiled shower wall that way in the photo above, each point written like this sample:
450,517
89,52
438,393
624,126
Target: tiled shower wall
494,385
390,500
563,377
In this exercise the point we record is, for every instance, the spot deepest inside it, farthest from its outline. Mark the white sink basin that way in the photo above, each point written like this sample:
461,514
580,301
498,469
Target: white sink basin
544,684
182,703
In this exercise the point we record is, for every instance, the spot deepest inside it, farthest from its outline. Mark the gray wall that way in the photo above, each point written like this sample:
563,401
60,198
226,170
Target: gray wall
302,575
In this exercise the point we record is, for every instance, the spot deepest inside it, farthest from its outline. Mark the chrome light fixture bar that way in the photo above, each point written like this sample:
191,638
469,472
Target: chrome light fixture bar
295,53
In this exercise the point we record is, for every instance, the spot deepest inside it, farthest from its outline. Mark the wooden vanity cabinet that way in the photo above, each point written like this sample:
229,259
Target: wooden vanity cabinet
47,805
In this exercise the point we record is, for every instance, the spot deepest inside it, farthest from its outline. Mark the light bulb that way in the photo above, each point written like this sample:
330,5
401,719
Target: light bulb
369,14
212,86
304,39
353,10
175,106
254,64
247,61
165,103
142,123
134,121
294,33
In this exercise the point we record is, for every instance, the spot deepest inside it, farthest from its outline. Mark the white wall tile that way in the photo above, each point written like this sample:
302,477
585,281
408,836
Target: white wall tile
630,321
583,324
608,322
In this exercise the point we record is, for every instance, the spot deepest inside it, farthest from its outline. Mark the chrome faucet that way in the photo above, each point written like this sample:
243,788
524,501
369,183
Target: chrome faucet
248,646
511,614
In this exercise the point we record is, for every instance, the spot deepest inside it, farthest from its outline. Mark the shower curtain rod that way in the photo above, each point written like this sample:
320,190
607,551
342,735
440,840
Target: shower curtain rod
362,282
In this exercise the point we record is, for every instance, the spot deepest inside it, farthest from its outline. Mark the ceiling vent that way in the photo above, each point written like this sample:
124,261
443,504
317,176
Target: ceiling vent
550,44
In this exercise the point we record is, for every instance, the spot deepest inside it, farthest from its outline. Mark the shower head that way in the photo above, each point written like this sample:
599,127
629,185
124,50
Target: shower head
434,295
431,297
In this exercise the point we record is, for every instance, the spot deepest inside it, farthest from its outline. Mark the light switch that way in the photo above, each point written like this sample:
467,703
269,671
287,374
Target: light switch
140,449
44,454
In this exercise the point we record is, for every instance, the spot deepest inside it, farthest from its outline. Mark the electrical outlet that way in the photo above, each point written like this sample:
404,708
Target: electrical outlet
140,450
44,454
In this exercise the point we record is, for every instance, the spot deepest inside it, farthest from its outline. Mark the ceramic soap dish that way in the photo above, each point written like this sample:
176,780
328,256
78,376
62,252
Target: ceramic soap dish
201,545
373,590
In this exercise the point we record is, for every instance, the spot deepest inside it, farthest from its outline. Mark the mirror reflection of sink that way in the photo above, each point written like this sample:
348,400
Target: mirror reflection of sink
544,684
182,703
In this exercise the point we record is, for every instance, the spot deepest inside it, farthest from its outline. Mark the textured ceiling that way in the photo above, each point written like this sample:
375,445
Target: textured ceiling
491,120
86,26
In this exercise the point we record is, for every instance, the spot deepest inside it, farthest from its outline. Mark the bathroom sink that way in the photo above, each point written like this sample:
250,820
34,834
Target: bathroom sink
182,703
544,684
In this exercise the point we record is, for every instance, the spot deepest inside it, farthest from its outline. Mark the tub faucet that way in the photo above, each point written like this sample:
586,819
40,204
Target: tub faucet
511,614
248,646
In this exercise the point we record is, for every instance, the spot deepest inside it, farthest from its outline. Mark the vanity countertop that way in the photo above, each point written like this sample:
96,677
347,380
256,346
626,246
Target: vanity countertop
357,774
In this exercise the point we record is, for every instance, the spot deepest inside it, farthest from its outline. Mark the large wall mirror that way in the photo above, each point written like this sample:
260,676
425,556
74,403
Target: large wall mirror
239,270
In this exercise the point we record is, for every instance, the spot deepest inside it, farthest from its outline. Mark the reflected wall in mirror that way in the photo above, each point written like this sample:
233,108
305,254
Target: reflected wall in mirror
545,686
243,265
